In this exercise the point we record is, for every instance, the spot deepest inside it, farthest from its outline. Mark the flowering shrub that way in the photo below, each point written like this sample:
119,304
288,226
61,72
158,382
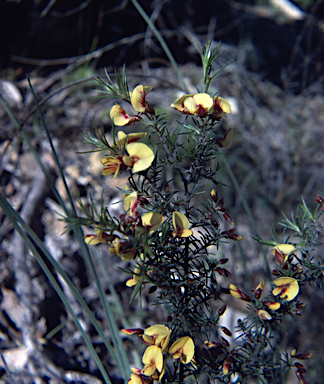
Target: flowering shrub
172,240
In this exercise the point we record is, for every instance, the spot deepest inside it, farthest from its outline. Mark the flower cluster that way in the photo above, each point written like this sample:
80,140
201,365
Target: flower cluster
286,288
171,239
157,337
134,224
202,105
138,100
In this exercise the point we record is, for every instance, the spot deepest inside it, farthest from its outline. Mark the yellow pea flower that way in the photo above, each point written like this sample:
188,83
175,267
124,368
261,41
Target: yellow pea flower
287,287
158,335
124,249
181,225
199,104
124,139
152,221
99,237
138,100
112,165
179,104
219,109
137,378
120,117
152,360
282,251
140,156
184,348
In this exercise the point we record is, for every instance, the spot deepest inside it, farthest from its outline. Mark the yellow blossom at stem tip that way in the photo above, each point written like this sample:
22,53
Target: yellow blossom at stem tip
198,104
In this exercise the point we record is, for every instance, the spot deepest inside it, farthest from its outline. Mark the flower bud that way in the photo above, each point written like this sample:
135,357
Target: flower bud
273,305
304,356
213,195
319,198
300,368
259,289
222,310
264,315
224,342
238,294
220,271
152,289
223,261
134,331
226,331
211,344
228,218
168,189
300,377
227,364
227,273
142,200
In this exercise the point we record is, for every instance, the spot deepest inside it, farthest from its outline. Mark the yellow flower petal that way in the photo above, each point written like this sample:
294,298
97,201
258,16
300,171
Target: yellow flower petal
152,221
131,282
141,156
92,240
138,98
124,139
153,360
184,348
287,288
120,117
181,225
198,104
112,165
158,335
179,103
282,251
235,292
220,108
131,203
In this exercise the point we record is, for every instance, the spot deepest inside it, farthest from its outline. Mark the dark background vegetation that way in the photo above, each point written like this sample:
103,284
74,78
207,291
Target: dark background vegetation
275,85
